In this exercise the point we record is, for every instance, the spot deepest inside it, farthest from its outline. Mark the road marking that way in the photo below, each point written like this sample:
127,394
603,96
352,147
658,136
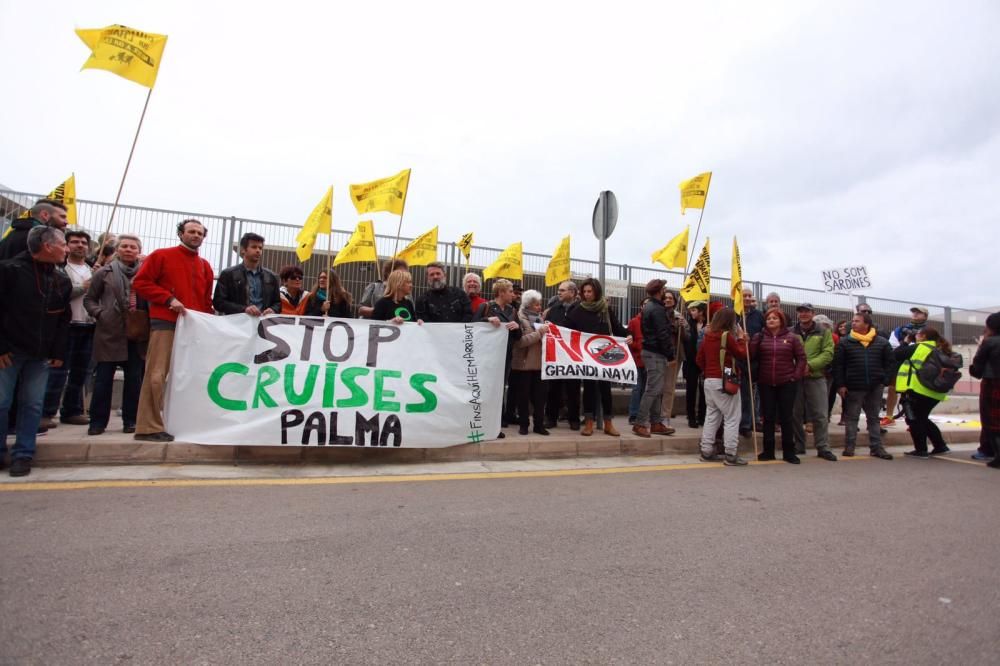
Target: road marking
956,460
342,480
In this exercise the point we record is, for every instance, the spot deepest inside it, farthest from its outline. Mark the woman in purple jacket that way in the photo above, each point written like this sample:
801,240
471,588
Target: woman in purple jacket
781,360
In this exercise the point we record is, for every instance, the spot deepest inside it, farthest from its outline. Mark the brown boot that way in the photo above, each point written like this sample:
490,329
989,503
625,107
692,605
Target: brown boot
641,431
661,429
588,428
609,429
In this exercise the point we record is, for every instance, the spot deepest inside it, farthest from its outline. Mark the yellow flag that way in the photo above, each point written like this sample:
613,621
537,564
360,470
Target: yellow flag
320,221
388,194
694,191
131,54
465,245
66,193
558,270
675,253
361,246
698,284
508,265
736,290
422,250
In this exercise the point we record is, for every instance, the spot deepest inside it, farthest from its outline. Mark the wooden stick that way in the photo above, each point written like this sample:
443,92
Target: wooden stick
753,415
121,185
402,210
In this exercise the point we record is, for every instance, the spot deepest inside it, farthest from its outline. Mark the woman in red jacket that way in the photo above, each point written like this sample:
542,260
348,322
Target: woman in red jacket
781,360
721,406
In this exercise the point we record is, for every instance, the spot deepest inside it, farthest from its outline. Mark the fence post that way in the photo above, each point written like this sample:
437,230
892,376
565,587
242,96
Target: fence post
627,276
947,323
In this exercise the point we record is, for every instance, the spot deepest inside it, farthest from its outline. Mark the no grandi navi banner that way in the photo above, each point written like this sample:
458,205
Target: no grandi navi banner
313,381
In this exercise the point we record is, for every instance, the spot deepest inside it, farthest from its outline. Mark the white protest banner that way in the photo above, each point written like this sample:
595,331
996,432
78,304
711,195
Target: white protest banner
847,279
307,381
572,354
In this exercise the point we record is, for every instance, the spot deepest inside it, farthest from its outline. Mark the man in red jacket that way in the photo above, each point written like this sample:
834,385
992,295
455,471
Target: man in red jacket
173,280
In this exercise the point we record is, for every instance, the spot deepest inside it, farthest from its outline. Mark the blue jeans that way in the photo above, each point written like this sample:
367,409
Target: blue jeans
29,375
637,391
100,401
72,375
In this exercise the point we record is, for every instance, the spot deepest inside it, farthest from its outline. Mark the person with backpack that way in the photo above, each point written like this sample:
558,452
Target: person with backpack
928,369
986,368
724,343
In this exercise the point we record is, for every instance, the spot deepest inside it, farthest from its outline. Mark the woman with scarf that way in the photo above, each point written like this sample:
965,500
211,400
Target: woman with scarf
111,301
333,303
526,363
986,368
592,315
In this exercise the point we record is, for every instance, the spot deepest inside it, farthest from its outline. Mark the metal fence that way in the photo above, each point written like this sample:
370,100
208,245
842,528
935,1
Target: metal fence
157,228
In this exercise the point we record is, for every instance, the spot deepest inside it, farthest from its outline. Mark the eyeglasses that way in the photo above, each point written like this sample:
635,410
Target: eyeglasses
864,311
295,277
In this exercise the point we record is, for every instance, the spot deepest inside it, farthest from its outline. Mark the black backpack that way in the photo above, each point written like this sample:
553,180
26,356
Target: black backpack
940,370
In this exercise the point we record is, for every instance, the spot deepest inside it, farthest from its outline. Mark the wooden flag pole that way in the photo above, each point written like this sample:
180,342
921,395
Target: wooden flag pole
121,186
687,268
399,227
753,416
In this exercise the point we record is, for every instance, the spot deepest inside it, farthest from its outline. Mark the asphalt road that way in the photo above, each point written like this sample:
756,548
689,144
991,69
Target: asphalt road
855,562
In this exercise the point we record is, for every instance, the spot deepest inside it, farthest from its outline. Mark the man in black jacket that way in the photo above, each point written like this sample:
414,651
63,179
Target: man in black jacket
248,287
563,391
34,297
861,367
47,212
442,303
657,352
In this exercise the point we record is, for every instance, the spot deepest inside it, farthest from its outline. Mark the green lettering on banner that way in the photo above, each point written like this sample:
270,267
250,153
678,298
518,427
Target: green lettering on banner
328,385
417,382
382,404
299,399
213,386
358,396
265,377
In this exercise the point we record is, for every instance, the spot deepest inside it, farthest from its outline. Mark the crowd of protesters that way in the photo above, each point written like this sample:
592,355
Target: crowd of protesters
76,310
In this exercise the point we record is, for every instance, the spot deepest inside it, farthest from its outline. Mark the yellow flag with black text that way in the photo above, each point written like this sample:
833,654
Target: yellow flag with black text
65,193
320,221
695,191
422,250
360,247
508,265
388,194
675,253
465,245
736,288
698,285
131,54
558,270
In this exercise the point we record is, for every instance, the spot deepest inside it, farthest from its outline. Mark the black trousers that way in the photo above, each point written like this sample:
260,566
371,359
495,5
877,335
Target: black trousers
563,392
594,391
776,405
694,394
531,391
917,409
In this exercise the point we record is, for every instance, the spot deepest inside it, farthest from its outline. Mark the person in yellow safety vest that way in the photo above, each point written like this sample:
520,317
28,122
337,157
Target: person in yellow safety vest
918,400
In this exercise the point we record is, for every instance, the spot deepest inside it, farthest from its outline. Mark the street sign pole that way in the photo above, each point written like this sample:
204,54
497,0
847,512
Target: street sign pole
605,219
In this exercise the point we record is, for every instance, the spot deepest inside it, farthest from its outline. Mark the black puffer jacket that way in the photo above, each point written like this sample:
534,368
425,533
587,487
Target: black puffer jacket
657,329
16,241
448,305
581,319
860,368
34,299
986,363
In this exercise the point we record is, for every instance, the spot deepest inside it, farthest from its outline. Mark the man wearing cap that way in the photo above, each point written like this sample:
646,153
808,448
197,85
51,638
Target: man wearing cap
812,401
904,334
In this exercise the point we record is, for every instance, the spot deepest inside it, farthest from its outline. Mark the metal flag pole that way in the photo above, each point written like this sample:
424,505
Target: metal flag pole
402,210
329,256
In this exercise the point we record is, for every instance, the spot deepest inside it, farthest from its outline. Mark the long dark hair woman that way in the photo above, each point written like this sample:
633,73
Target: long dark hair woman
724,344
330,297
694,393
986,368
919,400
592,315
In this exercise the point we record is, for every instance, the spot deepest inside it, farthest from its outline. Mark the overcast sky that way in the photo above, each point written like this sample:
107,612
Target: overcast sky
838,133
